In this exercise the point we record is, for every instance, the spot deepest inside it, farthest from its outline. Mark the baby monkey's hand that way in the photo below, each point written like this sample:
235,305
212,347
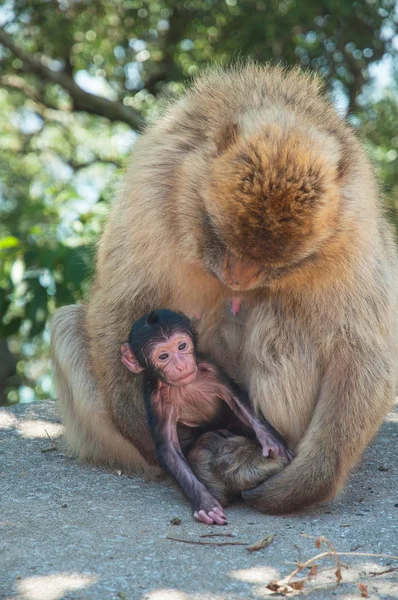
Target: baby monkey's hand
209,511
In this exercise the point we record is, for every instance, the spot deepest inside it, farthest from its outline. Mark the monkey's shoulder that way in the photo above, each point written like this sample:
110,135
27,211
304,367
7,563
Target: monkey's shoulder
220,378
207,366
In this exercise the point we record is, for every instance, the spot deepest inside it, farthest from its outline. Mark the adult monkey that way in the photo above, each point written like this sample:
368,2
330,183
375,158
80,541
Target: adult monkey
250,188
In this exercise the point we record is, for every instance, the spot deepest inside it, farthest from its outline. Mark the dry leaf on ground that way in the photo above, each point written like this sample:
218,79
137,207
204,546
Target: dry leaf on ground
363,589
261,544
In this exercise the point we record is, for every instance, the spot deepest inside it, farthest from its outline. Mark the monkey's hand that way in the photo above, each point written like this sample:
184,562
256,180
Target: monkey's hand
272,443
208,510
272,447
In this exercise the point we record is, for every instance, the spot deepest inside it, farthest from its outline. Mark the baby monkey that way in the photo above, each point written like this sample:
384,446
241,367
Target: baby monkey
186,395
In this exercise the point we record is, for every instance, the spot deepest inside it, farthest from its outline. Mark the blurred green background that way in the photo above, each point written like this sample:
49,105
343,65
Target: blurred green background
78,81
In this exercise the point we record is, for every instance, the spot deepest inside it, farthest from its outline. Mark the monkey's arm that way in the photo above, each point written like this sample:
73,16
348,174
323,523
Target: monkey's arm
238,401
272,443
357,389
206,508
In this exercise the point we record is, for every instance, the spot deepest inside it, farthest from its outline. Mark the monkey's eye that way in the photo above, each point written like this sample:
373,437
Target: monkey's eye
182,346
163,356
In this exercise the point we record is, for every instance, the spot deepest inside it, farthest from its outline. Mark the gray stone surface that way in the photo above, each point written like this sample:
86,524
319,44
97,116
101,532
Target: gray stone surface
76,532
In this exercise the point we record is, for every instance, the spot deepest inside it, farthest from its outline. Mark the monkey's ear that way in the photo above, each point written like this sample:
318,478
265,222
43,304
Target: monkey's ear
130,360
227,137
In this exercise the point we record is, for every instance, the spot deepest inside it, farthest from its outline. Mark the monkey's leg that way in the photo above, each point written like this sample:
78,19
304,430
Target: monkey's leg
89,431
229,465
356,391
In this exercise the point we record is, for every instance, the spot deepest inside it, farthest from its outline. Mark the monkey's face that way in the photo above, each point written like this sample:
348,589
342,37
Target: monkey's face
173,359
271,203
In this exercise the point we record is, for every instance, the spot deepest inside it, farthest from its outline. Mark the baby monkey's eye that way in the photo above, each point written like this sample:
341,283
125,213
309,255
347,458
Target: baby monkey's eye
182,346
163,356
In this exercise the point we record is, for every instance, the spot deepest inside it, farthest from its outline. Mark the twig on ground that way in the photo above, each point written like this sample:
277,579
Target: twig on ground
207,543
390,570
289,586
50,438
205,535
264,543
53,444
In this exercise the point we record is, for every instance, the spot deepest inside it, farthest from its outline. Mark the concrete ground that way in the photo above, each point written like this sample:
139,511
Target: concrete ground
71,531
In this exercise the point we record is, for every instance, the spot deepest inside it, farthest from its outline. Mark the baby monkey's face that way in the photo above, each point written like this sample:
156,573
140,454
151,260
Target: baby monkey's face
174,359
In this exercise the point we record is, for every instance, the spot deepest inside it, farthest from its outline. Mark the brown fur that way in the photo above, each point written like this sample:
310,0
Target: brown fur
266,216
227,466
90,432
315,343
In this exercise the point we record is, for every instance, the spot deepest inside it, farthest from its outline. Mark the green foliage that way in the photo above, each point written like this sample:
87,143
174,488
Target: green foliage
76,80
379,132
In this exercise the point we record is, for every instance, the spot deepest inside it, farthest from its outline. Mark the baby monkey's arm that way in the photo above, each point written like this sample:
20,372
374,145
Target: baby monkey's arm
272,442
206,509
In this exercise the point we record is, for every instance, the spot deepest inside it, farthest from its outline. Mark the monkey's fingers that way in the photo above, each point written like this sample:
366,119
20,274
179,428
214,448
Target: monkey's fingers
271,450
284,453
277,450
219,511
202,517
210,517
218,517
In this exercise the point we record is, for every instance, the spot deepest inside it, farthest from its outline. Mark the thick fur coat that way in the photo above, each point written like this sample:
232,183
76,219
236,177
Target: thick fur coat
254,163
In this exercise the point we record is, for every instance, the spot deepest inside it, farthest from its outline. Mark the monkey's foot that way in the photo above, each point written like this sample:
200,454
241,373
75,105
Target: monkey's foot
210,517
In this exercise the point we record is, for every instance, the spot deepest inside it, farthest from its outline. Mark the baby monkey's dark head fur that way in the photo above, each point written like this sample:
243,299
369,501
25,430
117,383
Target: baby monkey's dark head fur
163,343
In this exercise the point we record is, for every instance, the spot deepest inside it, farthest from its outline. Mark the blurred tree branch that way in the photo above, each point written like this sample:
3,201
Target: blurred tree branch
14,82
82,100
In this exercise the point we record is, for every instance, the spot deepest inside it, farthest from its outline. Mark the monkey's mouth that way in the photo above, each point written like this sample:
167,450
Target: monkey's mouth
186,379
241,274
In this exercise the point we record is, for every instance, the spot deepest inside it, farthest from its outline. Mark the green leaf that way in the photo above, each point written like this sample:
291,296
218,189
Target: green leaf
9,241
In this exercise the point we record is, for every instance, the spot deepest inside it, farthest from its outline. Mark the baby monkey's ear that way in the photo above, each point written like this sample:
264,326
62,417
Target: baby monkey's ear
129,359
